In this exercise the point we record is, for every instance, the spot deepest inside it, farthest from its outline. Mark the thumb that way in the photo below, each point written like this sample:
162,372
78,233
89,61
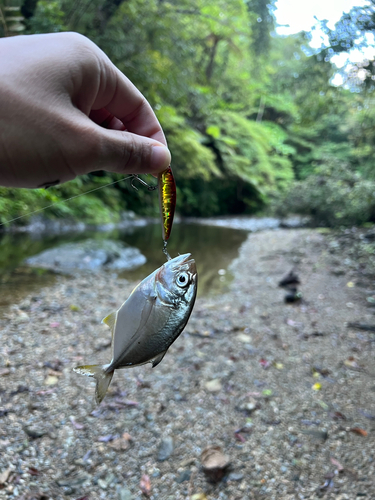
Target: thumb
126,153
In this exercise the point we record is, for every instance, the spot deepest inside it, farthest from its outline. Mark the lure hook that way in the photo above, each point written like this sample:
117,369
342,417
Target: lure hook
135,177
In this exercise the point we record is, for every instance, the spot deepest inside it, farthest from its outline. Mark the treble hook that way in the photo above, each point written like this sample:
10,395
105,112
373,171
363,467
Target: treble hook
135,177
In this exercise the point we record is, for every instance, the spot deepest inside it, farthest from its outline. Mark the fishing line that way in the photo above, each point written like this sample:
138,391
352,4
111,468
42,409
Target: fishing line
64,201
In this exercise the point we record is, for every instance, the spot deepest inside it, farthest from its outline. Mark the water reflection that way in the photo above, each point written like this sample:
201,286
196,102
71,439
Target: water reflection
213,248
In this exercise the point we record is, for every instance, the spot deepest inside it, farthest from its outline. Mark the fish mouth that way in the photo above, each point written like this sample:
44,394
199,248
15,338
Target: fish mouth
184,262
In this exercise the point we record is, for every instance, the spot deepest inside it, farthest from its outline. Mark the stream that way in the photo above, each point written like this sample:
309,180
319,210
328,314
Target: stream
213,248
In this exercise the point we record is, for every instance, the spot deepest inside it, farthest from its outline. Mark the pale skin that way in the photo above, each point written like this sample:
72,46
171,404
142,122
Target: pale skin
66,110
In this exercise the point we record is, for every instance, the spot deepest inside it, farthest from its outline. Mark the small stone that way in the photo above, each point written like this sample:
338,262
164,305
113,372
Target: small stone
235,476
103,484
184,476
34,432
124,494
165,449
51,380
213,385
242,337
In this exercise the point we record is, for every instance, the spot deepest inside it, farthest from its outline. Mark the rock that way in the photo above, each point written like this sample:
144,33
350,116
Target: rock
91,255
165,449
34,432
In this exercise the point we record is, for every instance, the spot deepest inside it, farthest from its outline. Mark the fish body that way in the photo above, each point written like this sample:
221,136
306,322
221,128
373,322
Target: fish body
149,321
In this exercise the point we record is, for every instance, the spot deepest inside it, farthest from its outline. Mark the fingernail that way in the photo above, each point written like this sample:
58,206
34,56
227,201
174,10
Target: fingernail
160,158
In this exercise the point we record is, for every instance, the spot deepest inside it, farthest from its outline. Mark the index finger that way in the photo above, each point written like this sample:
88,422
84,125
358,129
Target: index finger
121,98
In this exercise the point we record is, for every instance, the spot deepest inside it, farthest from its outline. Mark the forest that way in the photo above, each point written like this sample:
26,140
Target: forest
253,119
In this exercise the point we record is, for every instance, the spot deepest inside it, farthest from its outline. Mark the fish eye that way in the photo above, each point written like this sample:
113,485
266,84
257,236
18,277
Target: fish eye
183,280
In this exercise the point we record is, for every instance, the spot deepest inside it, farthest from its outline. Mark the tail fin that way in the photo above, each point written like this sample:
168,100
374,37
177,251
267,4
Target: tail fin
102,377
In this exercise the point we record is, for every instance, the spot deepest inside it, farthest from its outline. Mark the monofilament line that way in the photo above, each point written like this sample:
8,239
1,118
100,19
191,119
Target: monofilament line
64,201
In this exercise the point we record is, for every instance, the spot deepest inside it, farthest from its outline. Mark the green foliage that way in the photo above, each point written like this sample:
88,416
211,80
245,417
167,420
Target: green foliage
245,113
332,196
255,153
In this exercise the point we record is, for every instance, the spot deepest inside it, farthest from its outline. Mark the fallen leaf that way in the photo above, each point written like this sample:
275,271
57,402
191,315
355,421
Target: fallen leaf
122,443
359,431
33,471
367,414
74,308
145,485
264,363
214,463
337,415
267,393
107,438
75,424
335,462
352,364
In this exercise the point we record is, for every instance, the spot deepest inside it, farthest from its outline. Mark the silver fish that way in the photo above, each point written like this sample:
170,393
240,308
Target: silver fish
149,321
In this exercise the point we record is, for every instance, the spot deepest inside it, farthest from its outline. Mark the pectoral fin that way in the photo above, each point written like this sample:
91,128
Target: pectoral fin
158,358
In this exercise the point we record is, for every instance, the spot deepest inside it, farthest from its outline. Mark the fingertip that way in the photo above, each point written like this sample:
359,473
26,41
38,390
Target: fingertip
160,158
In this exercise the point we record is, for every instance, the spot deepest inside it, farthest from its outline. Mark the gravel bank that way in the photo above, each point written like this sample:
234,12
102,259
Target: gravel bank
287,391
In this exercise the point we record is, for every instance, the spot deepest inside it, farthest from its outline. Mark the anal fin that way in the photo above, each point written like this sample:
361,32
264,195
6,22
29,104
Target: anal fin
158,358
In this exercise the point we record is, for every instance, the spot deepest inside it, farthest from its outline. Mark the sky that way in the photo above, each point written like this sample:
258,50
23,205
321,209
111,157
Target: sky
293,16
300,14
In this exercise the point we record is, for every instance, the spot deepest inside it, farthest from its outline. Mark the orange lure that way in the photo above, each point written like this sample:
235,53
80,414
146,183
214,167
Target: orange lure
167,200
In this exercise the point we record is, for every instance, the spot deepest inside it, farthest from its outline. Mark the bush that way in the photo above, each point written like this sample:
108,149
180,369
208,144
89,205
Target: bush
332,196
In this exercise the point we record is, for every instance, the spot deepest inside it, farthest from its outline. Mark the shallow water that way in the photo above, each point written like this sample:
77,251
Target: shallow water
212,247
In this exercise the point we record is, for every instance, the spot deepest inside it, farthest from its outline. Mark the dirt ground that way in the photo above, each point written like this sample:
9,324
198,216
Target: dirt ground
287,391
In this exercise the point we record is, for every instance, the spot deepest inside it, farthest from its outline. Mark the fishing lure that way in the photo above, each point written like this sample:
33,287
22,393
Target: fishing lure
167,201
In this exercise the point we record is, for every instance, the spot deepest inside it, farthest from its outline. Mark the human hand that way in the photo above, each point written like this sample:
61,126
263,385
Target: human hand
66,110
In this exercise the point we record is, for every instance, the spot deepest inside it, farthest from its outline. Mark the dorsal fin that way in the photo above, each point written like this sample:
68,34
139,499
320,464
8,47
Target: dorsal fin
110,320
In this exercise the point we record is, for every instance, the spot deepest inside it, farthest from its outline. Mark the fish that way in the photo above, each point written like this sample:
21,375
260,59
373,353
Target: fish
149,321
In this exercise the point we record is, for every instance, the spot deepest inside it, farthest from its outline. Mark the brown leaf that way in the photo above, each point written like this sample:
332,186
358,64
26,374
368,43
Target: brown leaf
359,431
33,471
337,415
214,463
145,485
335,462
122,443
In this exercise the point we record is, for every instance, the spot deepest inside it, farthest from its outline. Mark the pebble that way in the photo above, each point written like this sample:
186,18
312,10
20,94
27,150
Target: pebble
124,494
165,449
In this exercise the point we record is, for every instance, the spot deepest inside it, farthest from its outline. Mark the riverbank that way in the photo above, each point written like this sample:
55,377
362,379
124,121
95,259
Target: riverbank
286,390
